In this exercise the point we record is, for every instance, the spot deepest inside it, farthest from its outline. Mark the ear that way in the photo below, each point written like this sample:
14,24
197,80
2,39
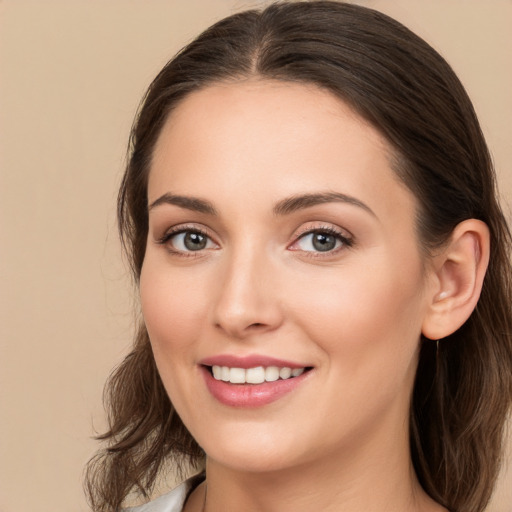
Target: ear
458,275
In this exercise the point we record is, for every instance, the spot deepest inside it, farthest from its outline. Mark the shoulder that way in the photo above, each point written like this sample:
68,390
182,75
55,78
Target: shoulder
171,502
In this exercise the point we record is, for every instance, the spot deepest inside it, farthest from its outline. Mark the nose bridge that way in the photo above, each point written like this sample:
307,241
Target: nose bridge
246,302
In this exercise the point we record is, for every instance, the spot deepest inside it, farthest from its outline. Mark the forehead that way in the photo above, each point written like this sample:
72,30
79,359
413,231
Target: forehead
277,138
284,112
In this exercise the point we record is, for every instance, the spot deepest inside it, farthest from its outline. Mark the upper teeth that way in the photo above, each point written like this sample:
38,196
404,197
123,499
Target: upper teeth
256,375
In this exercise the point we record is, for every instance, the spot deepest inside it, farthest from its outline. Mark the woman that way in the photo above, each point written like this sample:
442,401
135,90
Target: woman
309,208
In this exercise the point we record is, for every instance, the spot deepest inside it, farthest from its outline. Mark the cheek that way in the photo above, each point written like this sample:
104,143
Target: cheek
173,306
367,318
368,330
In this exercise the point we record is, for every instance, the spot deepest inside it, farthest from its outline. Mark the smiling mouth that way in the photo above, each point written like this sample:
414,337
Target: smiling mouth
256,375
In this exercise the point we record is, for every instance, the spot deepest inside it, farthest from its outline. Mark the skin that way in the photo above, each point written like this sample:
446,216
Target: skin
355,314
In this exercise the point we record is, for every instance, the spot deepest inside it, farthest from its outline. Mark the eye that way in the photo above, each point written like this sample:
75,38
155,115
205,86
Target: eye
187,240
321,240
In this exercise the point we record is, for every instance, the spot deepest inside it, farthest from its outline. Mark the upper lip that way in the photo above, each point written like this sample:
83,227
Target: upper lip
250,361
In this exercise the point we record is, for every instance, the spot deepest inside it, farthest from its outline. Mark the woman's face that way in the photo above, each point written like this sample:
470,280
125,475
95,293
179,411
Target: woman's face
280,239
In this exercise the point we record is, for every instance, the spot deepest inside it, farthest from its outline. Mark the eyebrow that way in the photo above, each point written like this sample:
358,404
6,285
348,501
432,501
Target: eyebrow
300,202
284,207
190,203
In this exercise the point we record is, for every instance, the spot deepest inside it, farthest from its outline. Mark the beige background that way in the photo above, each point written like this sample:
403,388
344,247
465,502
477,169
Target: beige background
71,75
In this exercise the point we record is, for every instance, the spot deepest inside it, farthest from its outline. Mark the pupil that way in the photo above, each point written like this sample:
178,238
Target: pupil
324,242
195,241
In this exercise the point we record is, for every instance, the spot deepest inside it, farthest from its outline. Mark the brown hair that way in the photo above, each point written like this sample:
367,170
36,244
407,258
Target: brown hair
397,82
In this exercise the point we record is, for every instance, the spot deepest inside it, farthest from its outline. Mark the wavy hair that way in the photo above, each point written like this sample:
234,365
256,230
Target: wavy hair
407,91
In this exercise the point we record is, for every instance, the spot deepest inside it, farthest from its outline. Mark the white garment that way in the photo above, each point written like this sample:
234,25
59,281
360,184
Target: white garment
171,502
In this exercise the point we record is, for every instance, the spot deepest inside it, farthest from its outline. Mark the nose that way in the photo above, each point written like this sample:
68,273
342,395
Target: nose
247,301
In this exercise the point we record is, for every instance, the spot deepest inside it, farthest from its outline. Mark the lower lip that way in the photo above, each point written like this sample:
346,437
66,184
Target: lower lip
250,395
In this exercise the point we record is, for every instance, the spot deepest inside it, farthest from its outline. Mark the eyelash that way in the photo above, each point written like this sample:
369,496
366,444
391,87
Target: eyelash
177,231
346,242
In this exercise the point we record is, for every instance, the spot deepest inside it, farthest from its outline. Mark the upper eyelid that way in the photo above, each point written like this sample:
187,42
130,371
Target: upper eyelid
331,228
165,240
346,238
301,232
180,228
169,233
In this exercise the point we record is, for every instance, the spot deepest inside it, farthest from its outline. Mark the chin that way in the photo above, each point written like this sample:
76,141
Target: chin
251,461
256,450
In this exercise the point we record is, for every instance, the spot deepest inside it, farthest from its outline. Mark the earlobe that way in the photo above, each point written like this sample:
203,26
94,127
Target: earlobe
459,273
